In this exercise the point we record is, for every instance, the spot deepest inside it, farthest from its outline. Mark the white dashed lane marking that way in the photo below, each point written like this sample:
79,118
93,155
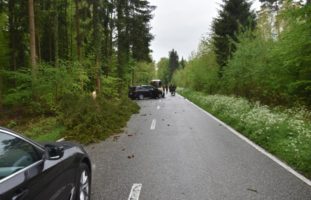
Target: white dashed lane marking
135,191
153,124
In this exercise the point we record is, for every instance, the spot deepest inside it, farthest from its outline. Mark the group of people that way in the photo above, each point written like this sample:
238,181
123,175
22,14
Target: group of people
169,88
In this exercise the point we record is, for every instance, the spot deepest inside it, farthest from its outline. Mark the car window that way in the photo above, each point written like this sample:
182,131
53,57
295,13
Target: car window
15,154
138,89
148,87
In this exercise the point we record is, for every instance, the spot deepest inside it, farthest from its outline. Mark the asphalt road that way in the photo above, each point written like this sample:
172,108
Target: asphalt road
177,152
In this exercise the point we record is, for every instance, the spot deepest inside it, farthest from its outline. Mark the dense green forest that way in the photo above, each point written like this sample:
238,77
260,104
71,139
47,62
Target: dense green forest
254,73
55,53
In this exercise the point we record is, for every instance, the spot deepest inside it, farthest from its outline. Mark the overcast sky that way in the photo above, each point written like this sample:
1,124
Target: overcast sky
180,24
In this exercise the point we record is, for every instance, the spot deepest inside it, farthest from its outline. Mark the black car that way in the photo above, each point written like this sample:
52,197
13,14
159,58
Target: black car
140,92
51,171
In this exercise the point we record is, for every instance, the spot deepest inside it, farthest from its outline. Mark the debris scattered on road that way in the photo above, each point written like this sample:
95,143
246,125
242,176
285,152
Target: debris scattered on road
168,124
123,149
130,135
131,156
115,138
143,115
252,190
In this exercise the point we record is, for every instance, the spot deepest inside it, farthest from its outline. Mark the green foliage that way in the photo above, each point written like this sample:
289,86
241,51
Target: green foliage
111,86
163,70
283,132
274,71
173,64
43,129
88,120
234,17
249,72
77,42
4,50
142,73
43,95
39,128
200,73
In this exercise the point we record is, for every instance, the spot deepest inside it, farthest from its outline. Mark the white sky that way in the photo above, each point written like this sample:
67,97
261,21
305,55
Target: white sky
180,24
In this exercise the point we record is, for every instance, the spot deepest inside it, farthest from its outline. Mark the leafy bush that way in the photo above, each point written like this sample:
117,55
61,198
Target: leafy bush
201,72
42,95
283,132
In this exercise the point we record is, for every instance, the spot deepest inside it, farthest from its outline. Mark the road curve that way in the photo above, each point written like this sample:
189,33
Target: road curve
174,151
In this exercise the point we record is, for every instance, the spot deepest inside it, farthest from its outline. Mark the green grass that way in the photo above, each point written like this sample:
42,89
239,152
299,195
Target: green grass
283,132
53,135
41,129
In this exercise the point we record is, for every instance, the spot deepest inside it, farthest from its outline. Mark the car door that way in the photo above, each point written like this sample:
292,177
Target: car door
143,91
149,91
19,161
23,173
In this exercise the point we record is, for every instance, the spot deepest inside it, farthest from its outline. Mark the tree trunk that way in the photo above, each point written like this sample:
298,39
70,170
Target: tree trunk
56,46
97,45
12,35
77,18
32,32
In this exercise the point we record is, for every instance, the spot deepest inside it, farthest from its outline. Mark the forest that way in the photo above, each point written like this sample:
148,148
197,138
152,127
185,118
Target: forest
253,71
54,54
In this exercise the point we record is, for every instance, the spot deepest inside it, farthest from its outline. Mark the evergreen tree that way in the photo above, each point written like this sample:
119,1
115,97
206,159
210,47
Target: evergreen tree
235,16
140,14
183,63
173,63
122,40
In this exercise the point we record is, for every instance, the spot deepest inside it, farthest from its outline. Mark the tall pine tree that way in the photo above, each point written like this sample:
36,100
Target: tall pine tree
234,17
173,63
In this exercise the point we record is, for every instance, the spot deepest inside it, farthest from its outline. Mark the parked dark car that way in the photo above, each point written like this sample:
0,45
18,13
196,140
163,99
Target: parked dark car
141,92
50,171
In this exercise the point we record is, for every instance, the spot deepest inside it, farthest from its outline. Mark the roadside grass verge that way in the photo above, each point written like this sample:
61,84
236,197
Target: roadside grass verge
285,133
40,129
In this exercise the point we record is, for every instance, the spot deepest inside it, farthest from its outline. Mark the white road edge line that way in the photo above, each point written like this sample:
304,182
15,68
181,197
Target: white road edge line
158,107
135,191
260,149
153,124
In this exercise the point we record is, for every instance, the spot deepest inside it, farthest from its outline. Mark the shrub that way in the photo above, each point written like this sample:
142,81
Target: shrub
88,120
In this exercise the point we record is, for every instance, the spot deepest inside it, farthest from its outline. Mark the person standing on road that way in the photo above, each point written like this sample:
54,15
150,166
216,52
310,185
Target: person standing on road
166,87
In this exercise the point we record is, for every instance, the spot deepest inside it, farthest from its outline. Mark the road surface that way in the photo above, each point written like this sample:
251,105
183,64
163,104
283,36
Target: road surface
172,150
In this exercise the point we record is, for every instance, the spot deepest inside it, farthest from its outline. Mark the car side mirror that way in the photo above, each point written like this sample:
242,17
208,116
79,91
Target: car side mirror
54,152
